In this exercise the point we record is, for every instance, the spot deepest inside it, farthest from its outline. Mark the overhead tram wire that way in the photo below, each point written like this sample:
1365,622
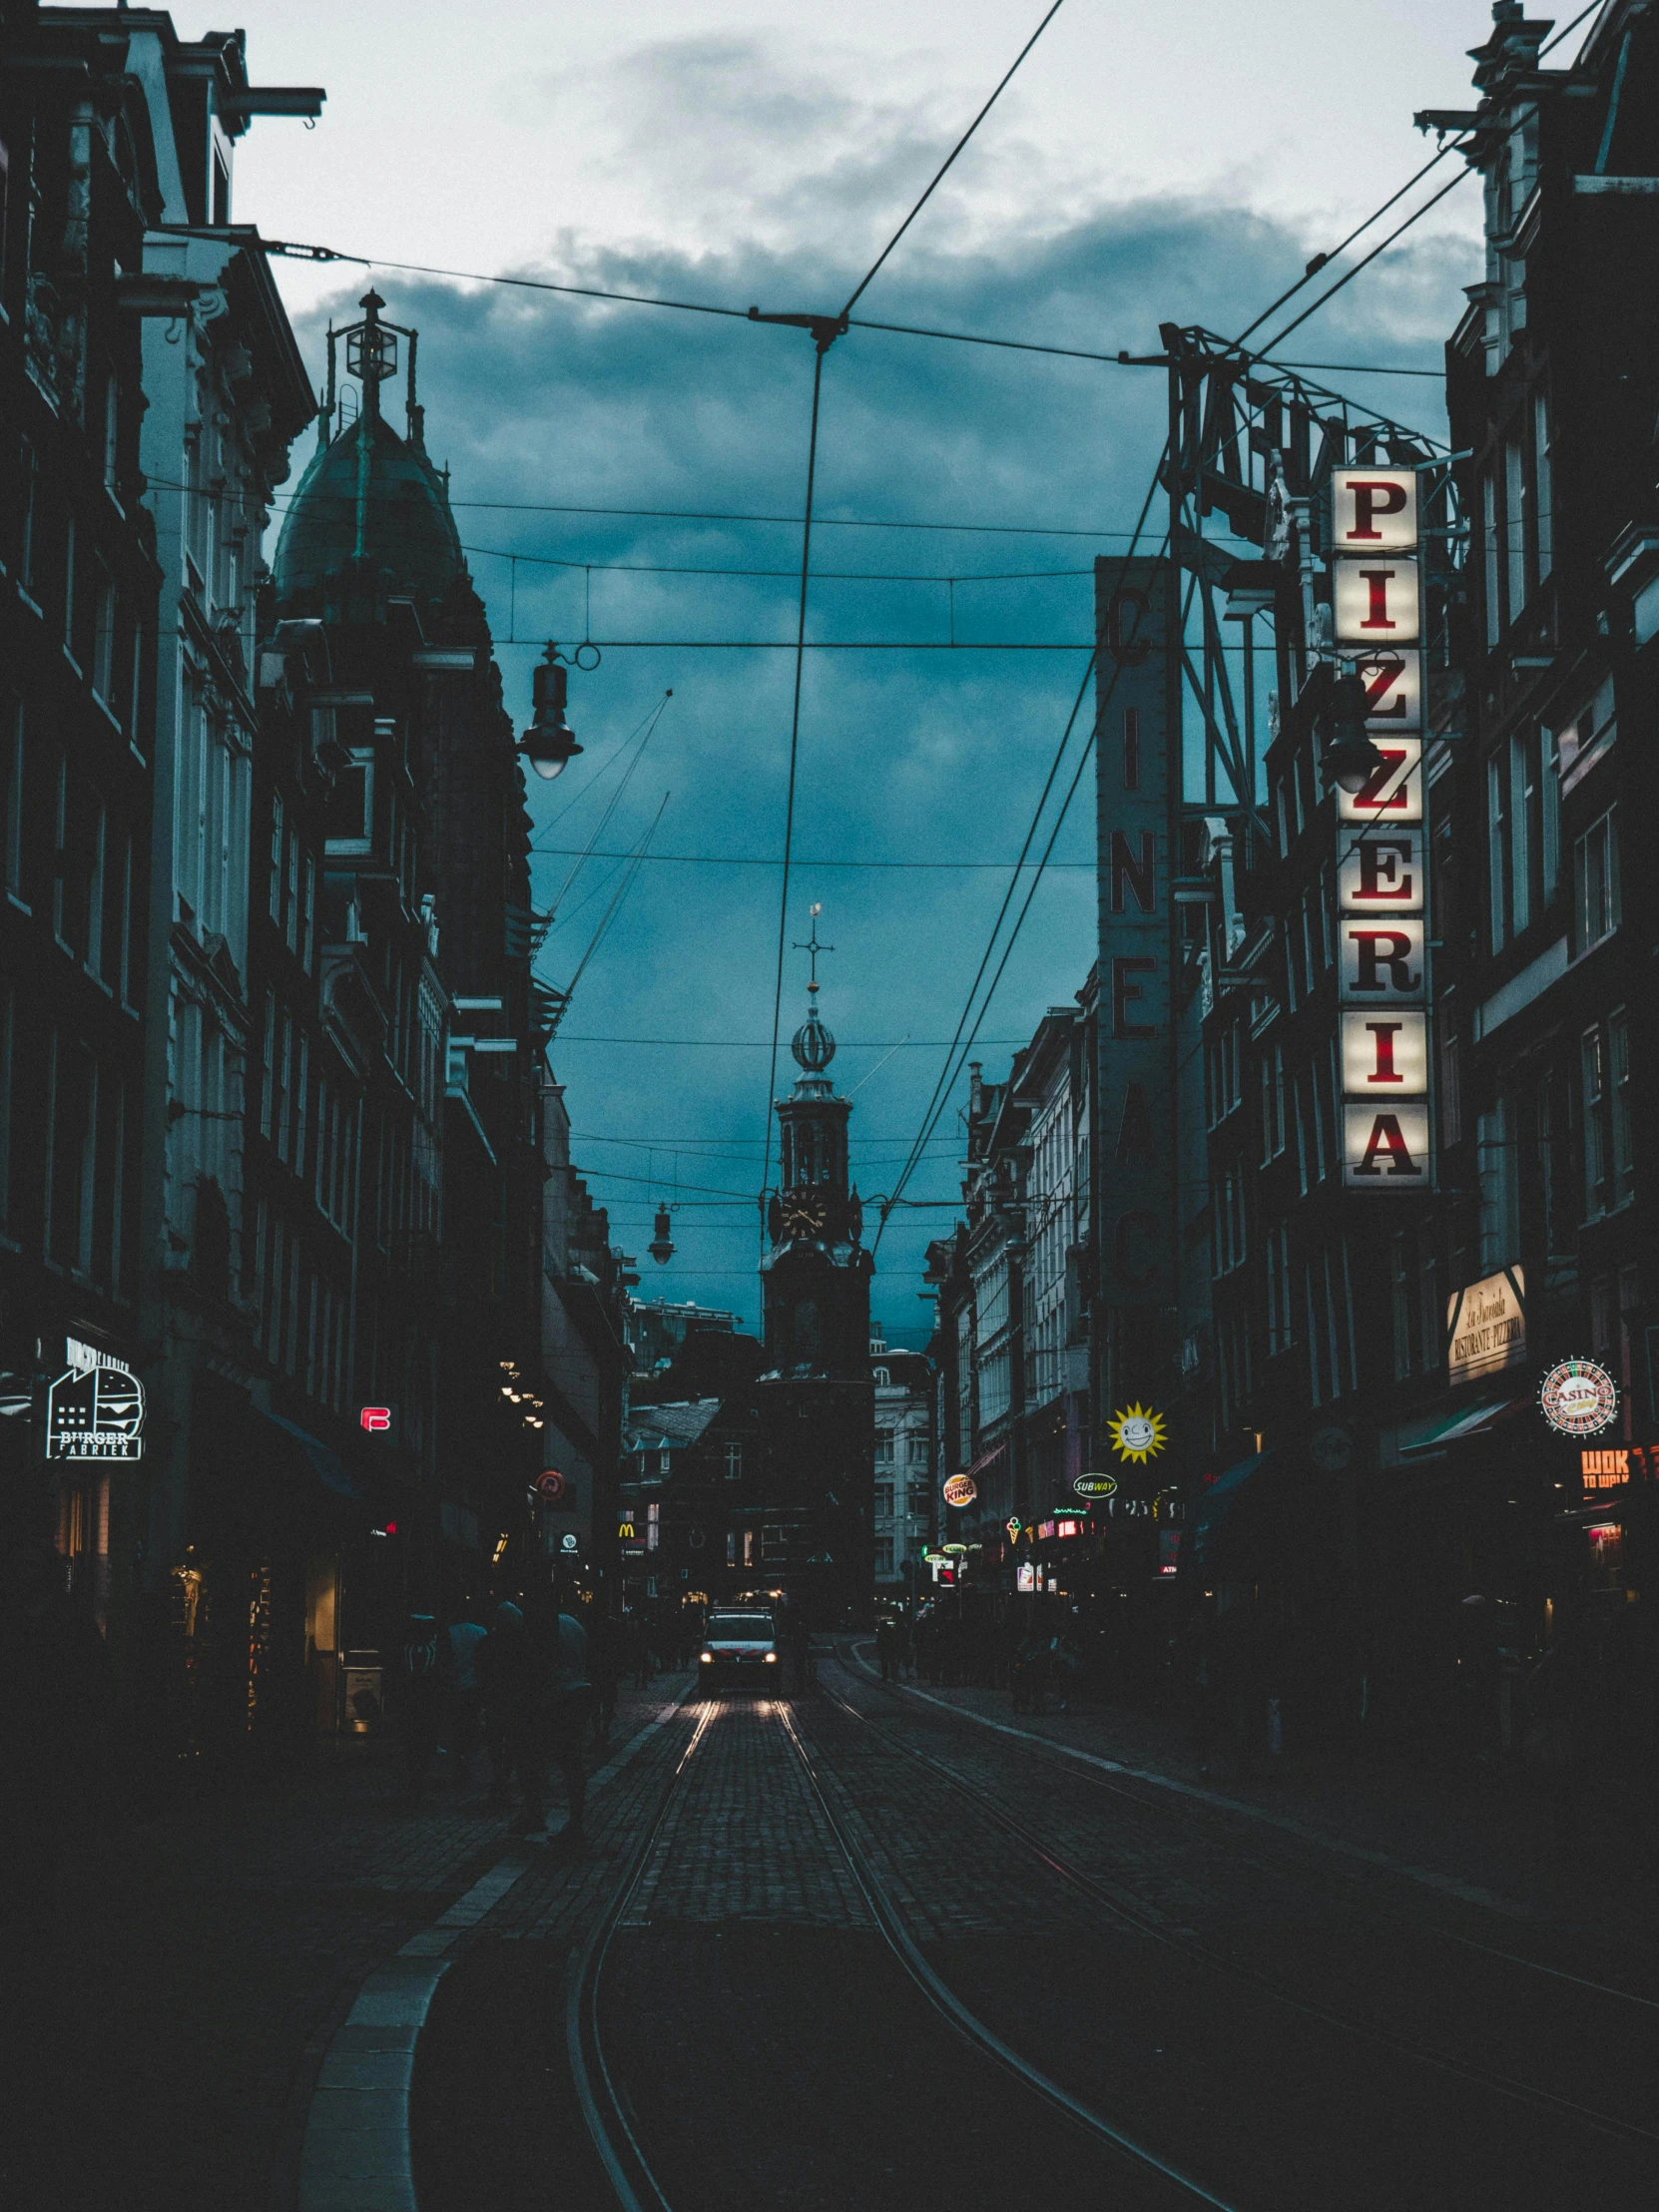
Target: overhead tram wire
947,1075
823,334
290,250
939,173
820,345
1349,276
950,1072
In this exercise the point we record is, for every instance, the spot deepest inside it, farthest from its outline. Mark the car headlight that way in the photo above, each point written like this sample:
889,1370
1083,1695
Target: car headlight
707,1657
771,1658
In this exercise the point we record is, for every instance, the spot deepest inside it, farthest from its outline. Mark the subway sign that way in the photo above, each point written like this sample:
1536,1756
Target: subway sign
1382,844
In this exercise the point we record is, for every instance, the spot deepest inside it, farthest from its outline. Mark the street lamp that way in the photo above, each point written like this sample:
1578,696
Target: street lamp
1349,757
550,743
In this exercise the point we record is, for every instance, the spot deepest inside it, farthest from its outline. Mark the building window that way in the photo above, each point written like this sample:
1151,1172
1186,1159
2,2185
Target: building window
775,1544
1515,523
60,851
29,487
734,1462
1278,1289
1549,814
1452,1094
654,1524
1596,870
268,1064
69,589
1618,1054
103,638
274,878
883,1555
350,817
1524,793
664,1462
1497,1165
1593,1052
884,1380
1543,510
884,1502
11,790
883,1447
8,1097
1497,853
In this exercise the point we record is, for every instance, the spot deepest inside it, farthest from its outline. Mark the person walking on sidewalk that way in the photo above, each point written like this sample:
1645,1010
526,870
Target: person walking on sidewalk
604,1664
887,1648
504,1673
466,1692
422,1673
564,1685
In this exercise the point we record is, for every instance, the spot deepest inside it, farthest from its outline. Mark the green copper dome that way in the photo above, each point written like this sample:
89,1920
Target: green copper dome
369,522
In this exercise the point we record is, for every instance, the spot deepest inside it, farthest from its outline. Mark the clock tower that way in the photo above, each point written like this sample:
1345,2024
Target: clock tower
817,1393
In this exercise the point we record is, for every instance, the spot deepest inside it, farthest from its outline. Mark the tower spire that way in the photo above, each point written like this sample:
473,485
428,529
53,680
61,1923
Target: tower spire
813,1045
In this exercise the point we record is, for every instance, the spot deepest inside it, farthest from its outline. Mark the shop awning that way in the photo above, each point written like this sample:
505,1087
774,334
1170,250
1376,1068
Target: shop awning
331,1468
1216,1500
1445,1430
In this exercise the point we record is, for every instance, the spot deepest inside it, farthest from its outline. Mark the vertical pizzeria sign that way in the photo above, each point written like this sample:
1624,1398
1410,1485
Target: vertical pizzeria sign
1381,842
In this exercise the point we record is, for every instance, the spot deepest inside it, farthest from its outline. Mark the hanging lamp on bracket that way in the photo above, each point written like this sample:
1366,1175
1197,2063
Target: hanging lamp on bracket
549,744
661,1247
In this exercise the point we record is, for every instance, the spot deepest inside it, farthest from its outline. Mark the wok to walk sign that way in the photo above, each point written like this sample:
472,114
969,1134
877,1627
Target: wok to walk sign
1486,1326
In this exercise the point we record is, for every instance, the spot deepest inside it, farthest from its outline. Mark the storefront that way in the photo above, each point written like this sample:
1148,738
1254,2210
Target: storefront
87,1426
284,1596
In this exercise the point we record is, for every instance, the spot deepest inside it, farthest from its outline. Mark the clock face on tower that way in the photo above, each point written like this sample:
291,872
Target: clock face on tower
802,1216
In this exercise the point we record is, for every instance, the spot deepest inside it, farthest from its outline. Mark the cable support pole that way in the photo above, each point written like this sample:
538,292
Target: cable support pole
822,338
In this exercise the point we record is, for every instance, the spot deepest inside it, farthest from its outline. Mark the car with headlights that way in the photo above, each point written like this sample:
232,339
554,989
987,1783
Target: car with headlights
741,1651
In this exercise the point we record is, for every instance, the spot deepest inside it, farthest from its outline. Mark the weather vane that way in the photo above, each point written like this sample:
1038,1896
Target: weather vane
812,946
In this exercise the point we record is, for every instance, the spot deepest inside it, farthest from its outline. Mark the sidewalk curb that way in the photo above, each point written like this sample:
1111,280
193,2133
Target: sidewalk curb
1467,1893
355,2155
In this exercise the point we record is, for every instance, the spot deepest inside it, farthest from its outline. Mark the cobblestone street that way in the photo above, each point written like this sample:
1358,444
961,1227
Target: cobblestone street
1253,2004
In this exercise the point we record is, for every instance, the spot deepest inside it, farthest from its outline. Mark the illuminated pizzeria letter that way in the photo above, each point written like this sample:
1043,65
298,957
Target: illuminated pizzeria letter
1374,509
1386,1054
1377,600
1384,1146
1393,690
1383,961
1382,874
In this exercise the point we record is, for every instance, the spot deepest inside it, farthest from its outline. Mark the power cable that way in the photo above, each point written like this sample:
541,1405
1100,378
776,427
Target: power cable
1323,260
1349,276
612,803
755,859
930,1114
939,173
820,345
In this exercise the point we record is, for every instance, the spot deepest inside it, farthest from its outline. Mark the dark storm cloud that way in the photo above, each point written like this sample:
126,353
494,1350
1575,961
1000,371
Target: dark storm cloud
904,755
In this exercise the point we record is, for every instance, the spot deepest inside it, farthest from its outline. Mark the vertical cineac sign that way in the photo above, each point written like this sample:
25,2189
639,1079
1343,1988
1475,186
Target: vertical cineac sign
1134,767
1382,838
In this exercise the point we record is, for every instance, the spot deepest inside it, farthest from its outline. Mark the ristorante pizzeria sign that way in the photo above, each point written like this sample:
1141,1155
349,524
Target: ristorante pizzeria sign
1381,849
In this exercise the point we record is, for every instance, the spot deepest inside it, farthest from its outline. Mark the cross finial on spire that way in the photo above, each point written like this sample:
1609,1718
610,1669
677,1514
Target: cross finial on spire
812,946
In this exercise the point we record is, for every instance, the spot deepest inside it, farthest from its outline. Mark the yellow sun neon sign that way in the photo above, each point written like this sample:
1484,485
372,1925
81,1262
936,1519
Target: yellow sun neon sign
1137,1432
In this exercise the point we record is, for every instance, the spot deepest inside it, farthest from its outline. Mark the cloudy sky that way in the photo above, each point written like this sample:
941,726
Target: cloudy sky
1147,165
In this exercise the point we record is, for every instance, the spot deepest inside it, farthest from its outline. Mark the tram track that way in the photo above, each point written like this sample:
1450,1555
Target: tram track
1083,1768
1152,1925
602,2094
